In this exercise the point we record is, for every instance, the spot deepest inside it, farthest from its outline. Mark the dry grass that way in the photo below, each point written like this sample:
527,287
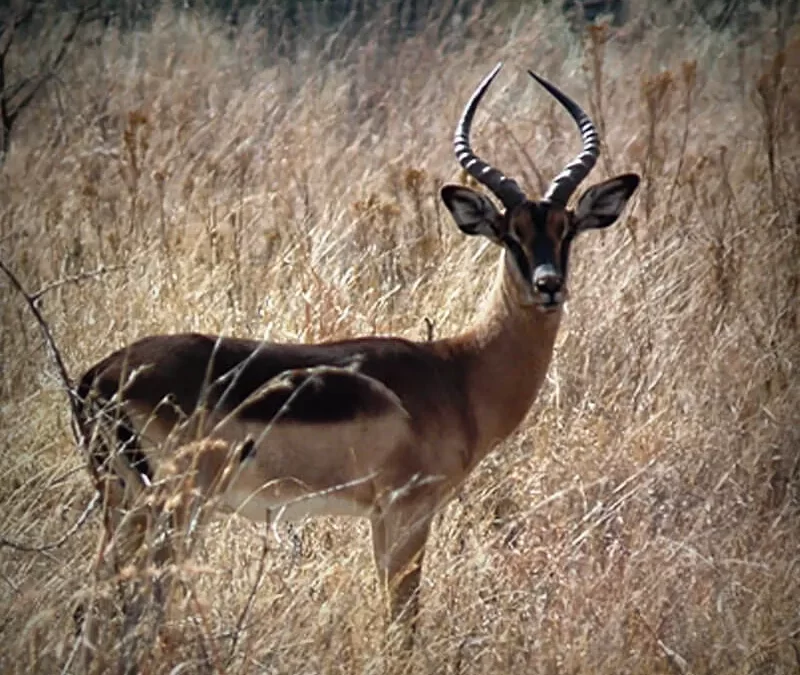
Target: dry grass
645,519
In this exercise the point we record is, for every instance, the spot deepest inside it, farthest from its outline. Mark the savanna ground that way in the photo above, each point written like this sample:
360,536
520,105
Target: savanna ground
644,519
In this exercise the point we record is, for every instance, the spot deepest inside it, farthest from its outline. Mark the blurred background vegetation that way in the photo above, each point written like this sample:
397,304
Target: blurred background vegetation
296,27
274,172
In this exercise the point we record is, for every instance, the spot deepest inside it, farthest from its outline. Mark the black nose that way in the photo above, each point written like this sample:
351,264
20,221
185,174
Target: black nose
548,283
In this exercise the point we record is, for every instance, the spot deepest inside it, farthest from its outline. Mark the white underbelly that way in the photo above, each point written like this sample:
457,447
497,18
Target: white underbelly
264,507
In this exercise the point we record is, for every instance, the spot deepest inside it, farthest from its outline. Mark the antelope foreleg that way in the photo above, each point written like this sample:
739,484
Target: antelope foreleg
399,536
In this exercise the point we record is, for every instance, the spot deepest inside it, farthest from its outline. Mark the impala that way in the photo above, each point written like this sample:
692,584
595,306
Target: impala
378,427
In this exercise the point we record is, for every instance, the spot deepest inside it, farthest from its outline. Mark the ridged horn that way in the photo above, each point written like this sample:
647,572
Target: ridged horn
504,188
565,183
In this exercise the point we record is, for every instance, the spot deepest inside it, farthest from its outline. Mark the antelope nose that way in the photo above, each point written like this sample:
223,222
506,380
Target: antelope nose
548,282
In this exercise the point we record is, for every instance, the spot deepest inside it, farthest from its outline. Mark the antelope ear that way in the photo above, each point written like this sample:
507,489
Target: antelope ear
473,212
601,204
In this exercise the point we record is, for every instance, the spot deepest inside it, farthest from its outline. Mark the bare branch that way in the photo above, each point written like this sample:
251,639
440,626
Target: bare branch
521,149
74,401
10,26
16,97
75,405
47,69
75,278
240,623
59,542
48,336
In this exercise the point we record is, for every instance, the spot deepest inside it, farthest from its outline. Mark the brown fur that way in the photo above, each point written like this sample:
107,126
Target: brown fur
379,427
422,416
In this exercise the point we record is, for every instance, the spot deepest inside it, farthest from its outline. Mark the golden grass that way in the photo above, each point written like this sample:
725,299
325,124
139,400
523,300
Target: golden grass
644,519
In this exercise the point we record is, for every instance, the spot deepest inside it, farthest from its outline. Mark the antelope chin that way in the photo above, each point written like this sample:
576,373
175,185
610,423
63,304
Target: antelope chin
549,307
549,303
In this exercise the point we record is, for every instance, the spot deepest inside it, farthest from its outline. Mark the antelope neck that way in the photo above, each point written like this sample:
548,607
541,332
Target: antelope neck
506,354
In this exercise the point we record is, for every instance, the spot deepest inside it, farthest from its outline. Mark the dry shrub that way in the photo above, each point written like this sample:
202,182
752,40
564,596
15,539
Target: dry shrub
645,517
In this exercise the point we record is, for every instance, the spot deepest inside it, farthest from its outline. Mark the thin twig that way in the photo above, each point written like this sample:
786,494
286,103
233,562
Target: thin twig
15,99
675,660
76,645
59,542
74,401
250,599
521,149
75,278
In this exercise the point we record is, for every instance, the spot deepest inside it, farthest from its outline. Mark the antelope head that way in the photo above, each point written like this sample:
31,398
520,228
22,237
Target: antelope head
536,235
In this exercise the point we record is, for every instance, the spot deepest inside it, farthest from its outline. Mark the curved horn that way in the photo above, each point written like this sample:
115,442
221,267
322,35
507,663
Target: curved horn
504,188
565,183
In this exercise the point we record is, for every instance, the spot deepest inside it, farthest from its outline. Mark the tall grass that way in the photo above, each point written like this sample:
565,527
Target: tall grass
643,519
